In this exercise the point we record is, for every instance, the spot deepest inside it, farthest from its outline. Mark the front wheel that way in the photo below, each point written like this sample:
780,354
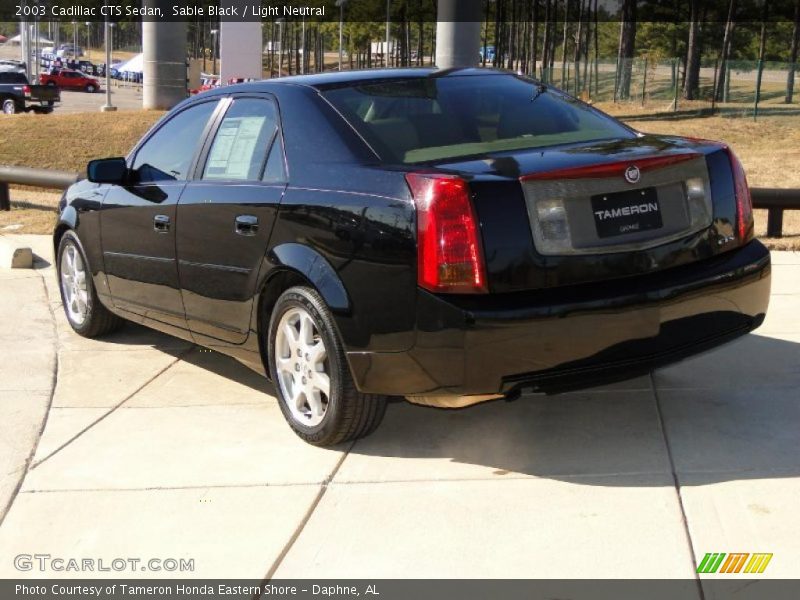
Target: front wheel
91,89
315,390
85,314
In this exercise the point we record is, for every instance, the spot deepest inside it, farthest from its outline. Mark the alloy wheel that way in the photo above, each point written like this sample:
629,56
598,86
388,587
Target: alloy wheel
301,362
73,285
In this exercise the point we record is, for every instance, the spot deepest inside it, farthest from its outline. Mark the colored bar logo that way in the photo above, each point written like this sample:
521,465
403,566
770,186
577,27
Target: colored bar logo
736,562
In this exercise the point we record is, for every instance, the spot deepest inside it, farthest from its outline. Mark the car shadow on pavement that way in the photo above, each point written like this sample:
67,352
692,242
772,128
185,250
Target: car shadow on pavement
135,335
730,414
733,413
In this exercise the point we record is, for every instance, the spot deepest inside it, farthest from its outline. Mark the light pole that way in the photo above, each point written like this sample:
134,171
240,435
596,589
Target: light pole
36,49
340,4
74,37
280,47
109,39
214,33
303,50
88,35
386,50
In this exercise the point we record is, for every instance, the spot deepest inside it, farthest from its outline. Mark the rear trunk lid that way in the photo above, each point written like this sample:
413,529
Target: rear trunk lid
610,209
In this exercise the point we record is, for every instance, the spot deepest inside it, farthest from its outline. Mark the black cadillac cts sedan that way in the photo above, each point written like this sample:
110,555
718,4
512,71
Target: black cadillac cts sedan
444,236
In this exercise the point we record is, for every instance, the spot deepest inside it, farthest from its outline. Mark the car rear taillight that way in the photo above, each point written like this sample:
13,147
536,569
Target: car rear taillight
744,203
26,89
449,253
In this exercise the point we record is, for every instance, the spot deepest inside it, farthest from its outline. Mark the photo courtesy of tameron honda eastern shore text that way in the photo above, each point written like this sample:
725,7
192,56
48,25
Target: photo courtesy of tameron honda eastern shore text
447,236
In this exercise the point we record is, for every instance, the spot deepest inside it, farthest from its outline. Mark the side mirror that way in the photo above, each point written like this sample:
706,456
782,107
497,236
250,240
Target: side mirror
107,170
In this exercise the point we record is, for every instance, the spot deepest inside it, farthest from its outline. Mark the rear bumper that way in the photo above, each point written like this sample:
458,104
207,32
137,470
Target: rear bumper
574,337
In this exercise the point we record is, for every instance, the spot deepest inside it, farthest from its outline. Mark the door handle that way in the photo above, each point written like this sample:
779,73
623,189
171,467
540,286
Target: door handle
161,223
246,225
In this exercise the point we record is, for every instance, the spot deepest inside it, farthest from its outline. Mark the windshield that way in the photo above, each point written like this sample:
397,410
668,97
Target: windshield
435,118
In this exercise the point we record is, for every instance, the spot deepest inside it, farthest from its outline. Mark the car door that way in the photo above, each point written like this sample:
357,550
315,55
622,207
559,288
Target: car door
138,219
225,217
67,80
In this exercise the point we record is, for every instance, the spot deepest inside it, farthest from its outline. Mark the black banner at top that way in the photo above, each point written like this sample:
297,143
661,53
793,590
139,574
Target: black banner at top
376,10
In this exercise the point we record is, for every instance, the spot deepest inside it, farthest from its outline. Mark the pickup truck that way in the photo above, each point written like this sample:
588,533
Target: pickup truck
17,95
69,80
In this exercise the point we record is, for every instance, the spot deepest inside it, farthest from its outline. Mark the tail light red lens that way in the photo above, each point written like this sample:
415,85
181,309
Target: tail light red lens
26,89
449,252
744,203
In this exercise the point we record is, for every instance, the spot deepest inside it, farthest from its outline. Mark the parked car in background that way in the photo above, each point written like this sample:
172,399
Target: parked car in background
206,83
67,79
115,68
13,66
449,237
487,53
17,95
69,50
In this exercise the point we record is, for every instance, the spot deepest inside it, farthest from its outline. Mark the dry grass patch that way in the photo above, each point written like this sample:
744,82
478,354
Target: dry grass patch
67,142
28,219
768,148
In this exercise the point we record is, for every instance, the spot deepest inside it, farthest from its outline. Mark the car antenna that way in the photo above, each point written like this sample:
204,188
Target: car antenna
540,89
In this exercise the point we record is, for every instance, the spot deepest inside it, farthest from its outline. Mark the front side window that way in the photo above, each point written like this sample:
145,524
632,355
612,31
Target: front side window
435,118
239,150
167,154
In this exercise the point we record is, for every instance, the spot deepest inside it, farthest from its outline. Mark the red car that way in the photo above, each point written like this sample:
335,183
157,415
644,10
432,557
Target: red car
67,79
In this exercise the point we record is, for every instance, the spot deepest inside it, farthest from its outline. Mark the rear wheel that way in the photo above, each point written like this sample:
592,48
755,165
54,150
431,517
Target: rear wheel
315,390
9,106
85,314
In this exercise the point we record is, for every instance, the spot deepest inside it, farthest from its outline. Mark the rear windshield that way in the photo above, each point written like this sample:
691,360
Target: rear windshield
10,77
429,119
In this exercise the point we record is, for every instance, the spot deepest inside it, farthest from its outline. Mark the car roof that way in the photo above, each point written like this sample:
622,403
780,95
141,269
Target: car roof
345,78
336,78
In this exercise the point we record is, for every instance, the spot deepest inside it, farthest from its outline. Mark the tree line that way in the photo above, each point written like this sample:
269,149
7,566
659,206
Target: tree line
534,37
540,37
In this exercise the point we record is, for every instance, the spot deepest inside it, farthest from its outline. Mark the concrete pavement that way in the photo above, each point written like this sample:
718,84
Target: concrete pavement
27,373
156,449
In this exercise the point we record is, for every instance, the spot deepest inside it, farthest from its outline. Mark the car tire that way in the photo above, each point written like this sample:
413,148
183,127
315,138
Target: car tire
91,89
301,321
51,83
9,106
85,313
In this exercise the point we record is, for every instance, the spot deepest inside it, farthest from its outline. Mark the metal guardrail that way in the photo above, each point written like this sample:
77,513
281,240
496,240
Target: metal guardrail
775,200
45,178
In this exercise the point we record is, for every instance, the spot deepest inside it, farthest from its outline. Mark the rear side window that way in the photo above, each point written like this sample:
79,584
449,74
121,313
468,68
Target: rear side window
167,154
435,118
239,150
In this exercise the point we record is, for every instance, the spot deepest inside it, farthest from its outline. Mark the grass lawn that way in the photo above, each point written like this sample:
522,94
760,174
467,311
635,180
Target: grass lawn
768,148
67,142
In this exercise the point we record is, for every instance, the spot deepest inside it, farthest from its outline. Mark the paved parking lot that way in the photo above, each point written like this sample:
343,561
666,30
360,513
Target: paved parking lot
123,96
155,448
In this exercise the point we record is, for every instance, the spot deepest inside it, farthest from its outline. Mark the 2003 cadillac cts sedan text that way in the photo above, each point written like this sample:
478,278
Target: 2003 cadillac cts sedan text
445,236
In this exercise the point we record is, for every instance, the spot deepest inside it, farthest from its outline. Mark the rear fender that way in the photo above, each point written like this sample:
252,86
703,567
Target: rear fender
314,267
